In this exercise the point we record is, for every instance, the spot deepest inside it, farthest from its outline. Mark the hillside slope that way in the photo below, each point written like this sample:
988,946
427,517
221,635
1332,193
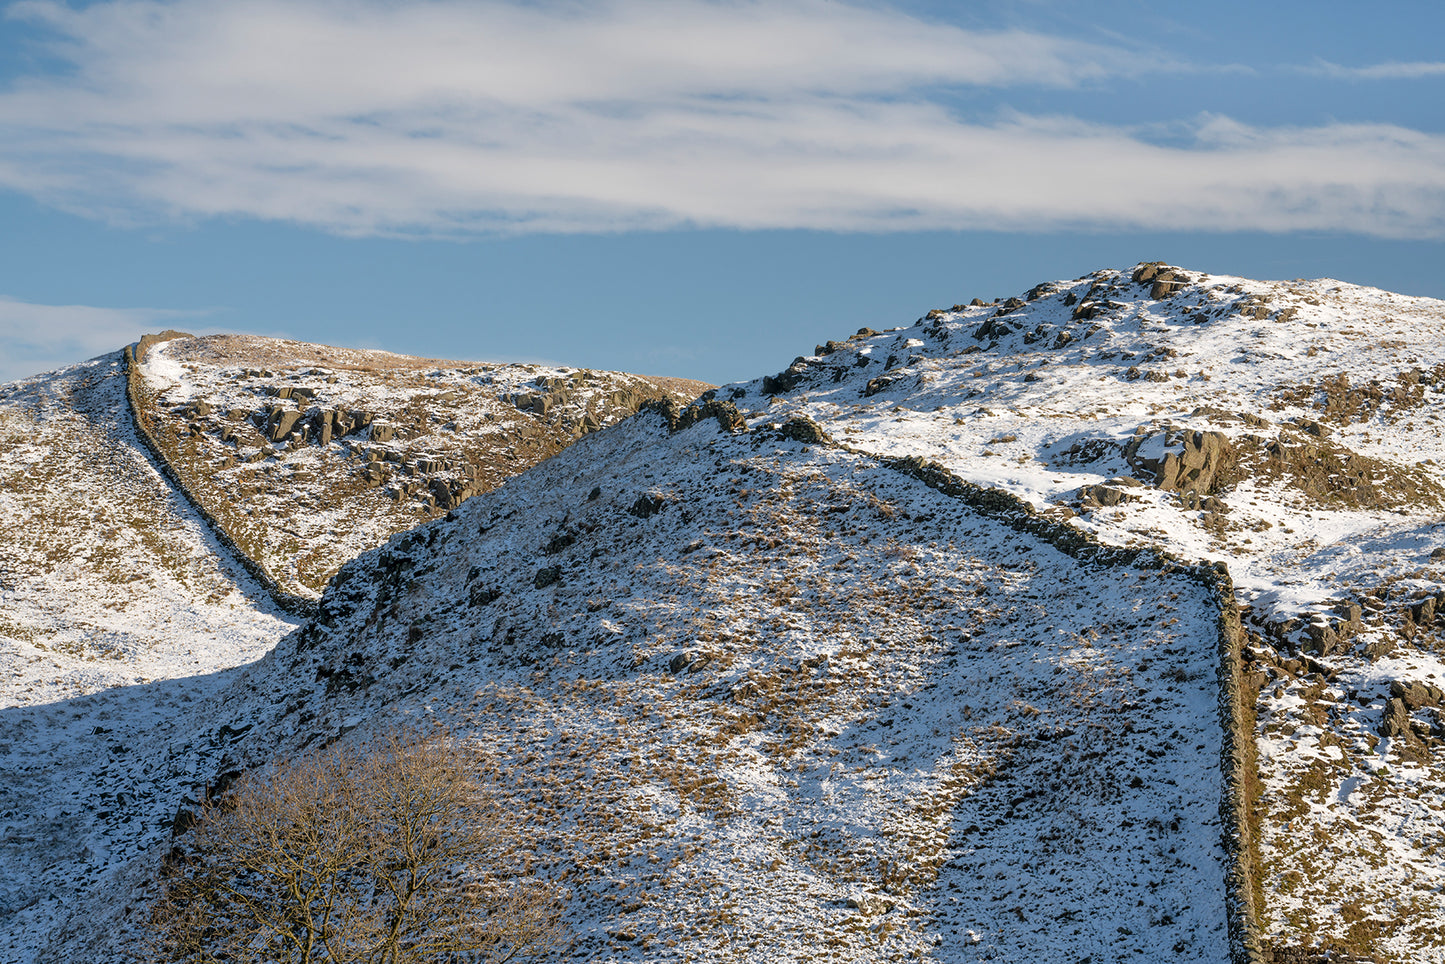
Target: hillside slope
308,454
117,611
759,696
1289,429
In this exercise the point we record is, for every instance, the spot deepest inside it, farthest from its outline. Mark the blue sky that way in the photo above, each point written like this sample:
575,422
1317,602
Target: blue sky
686,187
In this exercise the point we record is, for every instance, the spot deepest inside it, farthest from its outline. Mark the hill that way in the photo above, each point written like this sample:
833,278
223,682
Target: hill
758,695
123,602
1100,623
307,454
1291,430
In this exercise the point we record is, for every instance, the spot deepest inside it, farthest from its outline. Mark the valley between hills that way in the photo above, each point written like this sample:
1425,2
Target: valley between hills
1101,623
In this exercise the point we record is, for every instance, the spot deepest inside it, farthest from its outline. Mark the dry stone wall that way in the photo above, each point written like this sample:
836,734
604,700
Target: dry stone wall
1236,694
134,354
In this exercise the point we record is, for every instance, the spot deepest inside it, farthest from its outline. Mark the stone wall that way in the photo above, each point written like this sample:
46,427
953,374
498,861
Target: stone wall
134,354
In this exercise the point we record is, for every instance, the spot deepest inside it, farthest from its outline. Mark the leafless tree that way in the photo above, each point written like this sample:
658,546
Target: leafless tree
383,853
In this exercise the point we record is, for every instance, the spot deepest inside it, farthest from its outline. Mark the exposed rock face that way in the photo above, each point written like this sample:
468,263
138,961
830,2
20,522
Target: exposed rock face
1336,476
1416,695
1184,460
288,442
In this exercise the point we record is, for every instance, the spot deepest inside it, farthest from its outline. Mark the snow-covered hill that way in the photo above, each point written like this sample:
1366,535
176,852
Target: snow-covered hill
762,697
1290,429
118,612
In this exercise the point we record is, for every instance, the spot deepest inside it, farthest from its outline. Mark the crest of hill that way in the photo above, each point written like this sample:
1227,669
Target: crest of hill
306,455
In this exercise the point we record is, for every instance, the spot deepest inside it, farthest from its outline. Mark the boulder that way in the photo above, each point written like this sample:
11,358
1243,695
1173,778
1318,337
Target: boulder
801,428
1323,639
325,425
1423,611
648,504
1416,695
786,380
1105,495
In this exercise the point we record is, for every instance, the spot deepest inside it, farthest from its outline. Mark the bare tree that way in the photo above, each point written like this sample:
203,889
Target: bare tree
384,853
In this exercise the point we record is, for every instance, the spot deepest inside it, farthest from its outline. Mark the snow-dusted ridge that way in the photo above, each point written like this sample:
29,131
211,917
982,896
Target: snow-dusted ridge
121,616
764,697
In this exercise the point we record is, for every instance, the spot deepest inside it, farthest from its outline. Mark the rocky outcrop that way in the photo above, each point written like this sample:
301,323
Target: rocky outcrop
1162,279
1335,476
1183,460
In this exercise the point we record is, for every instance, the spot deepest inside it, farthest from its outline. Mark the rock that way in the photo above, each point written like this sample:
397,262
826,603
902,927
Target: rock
547,576
1379,649
871,905
801,428
728,418
183,821
993,329
879,384
1416,695
282,424
1204,464
648,504
1423,611
1167,283
383,433
1397,718
1147,271
483,596
1323,638
1106,495
786,380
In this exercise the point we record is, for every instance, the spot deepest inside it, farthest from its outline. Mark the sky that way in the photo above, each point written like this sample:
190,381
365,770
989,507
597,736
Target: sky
702,188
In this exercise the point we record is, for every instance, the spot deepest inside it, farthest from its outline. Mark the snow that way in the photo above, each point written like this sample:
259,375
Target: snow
887,706
120,620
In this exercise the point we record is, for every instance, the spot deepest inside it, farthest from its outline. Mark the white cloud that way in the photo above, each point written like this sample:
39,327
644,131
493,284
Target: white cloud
38,338
1391,70
453,118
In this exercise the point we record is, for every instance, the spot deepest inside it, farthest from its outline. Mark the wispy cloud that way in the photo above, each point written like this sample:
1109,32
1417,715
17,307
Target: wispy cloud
448,118
1392,70
37,338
